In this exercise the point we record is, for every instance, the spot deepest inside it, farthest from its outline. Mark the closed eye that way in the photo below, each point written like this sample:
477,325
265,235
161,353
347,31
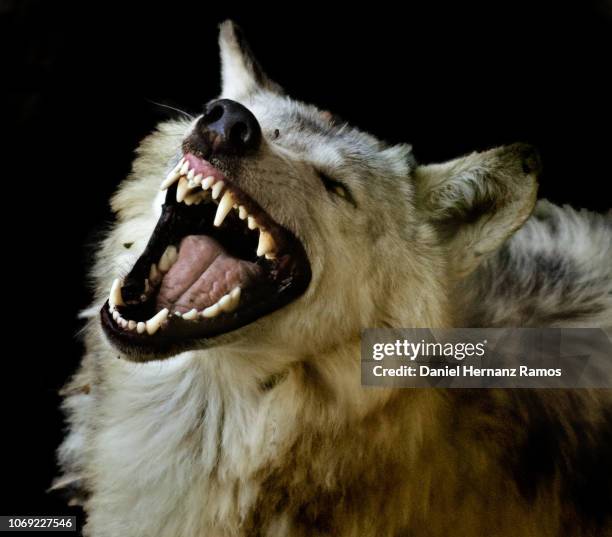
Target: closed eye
336,187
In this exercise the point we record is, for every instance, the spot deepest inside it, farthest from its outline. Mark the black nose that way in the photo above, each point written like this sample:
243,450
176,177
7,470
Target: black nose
229,128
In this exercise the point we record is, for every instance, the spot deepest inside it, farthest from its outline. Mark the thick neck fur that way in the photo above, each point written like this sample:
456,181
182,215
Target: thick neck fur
215,427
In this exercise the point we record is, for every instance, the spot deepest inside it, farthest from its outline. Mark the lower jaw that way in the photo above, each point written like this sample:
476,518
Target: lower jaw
179,335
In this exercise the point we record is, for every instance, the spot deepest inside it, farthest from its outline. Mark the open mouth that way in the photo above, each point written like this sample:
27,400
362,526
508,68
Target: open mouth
216,261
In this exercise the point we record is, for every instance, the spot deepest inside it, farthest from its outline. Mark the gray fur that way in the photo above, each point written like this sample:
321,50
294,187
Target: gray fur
266,431
555,271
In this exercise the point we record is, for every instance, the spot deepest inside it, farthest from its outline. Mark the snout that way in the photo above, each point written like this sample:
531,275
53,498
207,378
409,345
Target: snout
226,128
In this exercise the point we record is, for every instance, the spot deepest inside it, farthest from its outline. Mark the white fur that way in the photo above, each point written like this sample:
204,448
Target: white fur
176,448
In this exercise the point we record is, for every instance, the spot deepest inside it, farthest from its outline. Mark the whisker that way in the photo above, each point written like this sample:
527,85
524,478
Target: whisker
162,105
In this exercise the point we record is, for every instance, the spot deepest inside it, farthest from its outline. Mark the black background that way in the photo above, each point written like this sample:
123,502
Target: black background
81,82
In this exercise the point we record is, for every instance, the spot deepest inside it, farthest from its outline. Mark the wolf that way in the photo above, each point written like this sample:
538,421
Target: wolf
220,393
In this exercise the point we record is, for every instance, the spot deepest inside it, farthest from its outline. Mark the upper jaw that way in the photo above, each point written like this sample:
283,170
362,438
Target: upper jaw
193,186
198,180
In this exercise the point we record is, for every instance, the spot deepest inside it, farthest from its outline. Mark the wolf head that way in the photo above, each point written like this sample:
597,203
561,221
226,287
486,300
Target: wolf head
280,227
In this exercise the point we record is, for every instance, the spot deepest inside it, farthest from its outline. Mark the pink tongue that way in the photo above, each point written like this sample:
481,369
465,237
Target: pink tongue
202,274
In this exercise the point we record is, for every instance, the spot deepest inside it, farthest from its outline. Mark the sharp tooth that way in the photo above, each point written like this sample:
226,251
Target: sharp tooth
184,168
169,180
123,323
242,212
266,243
230,301
212,311
168,259
207,182
251,223
116,315
197,179
216,190
156,321
178,314
191,314
224,302
191,174
115,298
154,275
141,327
270,256
182,190
225,206
131,325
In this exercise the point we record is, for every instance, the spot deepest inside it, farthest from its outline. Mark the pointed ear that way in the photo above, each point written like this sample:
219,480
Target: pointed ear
241,74
476,202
